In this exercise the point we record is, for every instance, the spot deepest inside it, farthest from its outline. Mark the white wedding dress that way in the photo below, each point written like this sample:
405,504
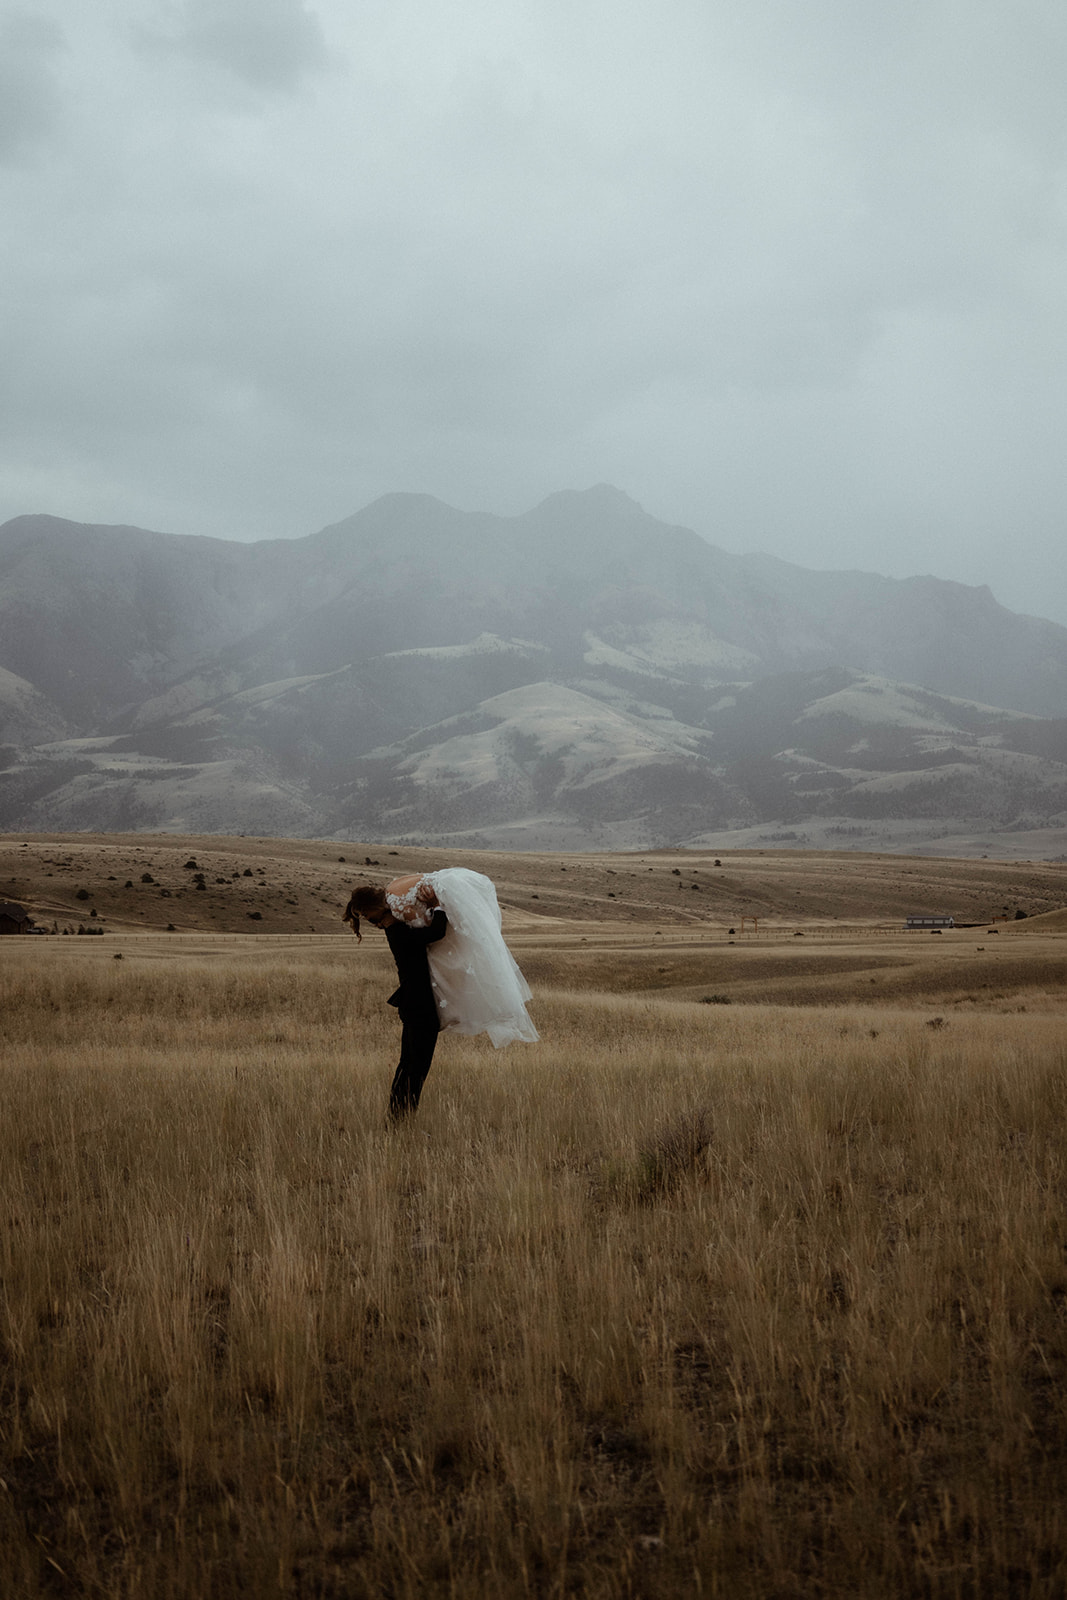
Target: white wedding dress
476,980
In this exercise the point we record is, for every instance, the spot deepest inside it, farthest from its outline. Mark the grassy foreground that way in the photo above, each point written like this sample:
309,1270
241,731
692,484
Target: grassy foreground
689,1299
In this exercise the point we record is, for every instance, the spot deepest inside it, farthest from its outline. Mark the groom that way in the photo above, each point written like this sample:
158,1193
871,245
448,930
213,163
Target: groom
414,998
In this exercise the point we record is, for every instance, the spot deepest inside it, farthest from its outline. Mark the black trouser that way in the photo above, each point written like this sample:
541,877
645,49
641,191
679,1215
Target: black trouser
417,1044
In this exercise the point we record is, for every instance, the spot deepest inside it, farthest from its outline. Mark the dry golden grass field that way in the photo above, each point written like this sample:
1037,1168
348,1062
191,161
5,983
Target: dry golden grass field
749,1280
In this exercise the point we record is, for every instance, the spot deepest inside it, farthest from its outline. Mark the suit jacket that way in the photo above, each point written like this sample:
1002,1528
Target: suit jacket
414,998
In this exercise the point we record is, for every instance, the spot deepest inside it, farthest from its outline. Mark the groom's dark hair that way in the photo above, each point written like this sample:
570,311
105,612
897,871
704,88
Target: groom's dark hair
368,900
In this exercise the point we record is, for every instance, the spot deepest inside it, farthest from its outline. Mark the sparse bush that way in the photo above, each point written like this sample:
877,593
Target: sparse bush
677,1151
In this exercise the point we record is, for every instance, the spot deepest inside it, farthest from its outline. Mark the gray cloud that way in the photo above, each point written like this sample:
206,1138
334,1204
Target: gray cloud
790,275
29,99
270,44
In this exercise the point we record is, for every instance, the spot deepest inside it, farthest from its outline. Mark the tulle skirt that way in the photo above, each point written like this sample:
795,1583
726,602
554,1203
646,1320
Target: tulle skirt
476,980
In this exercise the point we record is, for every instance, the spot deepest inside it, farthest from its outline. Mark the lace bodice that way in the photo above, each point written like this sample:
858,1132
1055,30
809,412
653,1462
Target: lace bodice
409,908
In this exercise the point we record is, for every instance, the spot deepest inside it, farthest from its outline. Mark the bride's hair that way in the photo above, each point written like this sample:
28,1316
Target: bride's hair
370,901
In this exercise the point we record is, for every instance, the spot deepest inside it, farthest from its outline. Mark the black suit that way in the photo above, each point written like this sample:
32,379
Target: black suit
415,1002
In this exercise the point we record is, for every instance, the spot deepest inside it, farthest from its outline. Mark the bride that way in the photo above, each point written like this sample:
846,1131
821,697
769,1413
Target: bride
476,980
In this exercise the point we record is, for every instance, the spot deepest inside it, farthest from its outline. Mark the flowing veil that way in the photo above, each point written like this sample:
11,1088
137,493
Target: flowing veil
476,980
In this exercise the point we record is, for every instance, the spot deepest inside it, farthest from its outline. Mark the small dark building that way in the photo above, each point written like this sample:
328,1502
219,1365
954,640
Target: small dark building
13,918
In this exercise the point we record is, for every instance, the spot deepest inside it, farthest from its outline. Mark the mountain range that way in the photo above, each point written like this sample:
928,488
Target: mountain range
582,676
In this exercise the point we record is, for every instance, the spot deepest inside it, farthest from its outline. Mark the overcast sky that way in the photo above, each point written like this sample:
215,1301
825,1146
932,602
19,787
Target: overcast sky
789,272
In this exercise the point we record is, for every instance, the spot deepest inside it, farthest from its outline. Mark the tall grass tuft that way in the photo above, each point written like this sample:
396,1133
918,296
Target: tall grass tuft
679,1149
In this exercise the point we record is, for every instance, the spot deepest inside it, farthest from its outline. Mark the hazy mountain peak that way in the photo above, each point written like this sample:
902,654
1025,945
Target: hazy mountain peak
397,515
602,498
